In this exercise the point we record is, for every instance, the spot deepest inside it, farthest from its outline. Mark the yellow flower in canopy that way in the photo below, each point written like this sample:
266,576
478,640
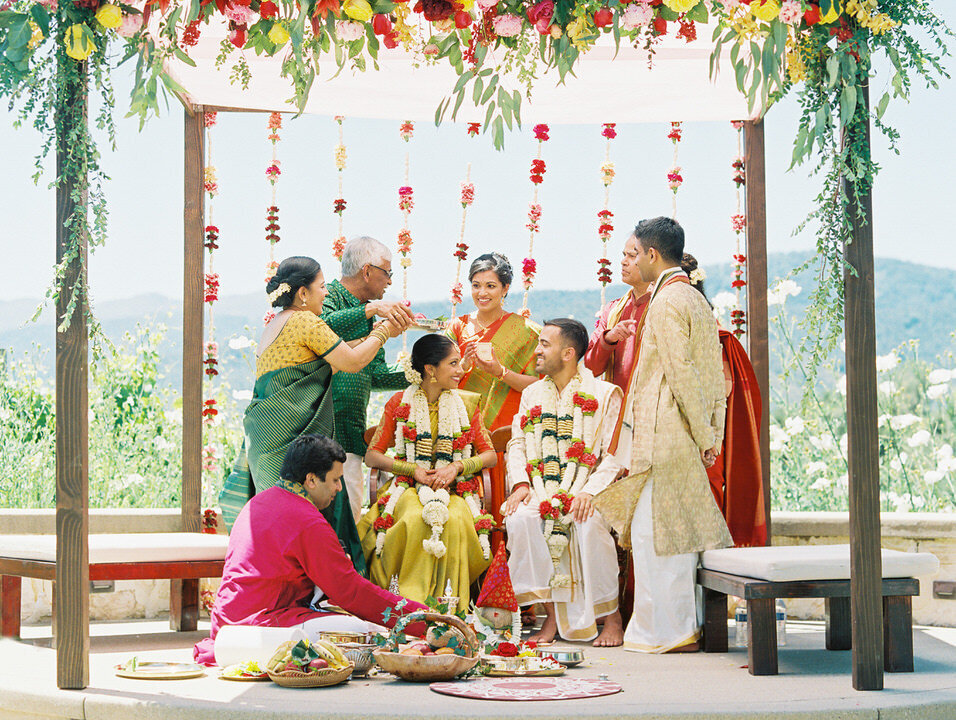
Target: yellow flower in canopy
109,16
765,9
279,35
577,28
681,6
467,5
358,10
833,13
78,45
36,35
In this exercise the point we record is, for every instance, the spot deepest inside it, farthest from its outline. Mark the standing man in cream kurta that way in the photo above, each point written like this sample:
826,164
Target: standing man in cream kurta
562,552
665,509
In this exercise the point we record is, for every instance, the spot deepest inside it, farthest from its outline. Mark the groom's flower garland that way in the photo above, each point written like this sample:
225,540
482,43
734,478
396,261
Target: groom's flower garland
414,443
560,432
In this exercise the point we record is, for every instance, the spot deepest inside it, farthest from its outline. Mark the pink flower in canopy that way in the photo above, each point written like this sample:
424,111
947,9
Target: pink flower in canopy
790,12
507,25
540,15
486,4
636,15
240,14
132,24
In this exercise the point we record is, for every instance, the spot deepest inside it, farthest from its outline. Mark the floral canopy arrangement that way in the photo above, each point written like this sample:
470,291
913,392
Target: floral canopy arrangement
499,49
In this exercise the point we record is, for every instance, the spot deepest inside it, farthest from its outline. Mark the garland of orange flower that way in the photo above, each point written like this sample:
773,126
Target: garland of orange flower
461,249
272,212
338,205
738,221
605,216
674,177
528,266
210,455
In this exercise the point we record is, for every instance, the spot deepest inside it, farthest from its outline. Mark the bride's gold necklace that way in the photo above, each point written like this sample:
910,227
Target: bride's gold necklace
481,326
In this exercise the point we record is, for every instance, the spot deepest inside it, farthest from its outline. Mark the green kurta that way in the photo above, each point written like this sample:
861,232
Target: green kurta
345,314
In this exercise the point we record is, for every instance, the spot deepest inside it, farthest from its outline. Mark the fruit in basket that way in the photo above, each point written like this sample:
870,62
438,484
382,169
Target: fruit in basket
445,651
305,657
318,664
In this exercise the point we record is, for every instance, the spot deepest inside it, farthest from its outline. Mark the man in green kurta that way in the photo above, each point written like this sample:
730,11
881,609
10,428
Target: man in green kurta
349,309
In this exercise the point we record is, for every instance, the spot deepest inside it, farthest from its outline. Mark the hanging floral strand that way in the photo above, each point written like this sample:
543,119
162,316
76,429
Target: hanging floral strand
528,266
210,466
338,206
272,212
738,221
406,201
674,177
605,216
461,249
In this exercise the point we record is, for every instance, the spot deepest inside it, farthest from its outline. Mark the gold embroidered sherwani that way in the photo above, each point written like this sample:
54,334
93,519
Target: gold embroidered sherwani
678,411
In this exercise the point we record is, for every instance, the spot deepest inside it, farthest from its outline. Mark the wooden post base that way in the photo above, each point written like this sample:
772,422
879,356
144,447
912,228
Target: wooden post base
10,596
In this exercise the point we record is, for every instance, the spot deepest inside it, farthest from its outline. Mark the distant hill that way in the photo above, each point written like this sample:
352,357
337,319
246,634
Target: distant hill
912,302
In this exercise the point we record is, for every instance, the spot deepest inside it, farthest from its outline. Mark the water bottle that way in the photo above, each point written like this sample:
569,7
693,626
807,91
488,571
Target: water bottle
740,620
780,609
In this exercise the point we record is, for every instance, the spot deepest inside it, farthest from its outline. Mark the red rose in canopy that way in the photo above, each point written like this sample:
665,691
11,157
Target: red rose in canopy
437,9
603,17
268,9
462,20
540,15
391,40
811,15
660,26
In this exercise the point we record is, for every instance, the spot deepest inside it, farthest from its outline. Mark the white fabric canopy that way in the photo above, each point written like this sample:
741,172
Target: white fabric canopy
673,84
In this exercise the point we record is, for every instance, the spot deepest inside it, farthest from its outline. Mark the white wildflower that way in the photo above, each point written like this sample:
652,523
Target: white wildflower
724,301
934,392
898,422
781,291
821,483
240,342
174,416
933,476
941,375
778,438
162,444
844,443
883,419
919,438
887,362
887,388
841,385
843,481
816,467
823,442
794,425
918,502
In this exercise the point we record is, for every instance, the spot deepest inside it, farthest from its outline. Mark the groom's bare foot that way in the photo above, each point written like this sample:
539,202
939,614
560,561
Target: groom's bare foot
549,628
613,633
692,647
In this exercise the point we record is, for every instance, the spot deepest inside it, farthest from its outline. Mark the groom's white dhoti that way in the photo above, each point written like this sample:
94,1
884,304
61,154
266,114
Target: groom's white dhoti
591,559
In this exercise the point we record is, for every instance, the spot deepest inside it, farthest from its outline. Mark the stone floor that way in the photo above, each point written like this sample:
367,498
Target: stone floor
813,683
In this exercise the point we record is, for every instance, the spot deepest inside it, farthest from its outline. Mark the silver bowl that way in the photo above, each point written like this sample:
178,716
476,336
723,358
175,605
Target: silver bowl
565,655
361,655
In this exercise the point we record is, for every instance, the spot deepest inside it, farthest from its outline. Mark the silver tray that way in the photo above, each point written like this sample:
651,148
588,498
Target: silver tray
565,655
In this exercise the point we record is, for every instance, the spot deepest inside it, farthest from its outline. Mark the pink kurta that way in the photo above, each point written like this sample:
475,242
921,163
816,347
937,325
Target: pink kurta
280,548
619,358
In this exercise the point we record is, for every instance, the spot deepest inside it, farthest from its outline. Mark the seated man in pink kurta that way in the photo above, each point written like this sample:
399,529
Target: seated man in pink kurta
281,549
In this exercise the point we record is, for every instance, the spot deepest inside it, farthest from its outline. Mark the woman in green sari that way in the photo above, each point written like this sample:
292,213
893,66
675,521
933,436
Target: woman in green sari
296,358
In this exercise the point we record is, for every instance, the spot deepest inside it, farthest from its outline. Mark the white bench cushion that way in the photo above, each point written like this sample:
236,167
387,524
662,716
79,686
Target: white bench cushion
810,562
123,547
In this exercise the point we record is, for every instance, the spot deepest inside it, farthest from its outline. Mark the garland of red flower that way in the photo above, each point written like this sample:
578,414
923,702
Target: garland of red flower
605,216
528,266
738,222
461,249
338,205
210,455
406,201
674,177
273,172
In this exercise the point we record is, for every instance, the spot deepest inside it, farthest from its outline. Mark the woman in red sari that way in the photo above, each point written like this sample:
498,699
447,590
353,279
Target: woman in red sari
497,352
736,478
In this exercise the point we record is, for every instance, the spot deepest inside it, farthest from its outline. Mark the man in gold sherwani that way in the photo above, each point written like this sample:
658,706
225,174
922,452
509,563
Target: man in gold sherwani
674,422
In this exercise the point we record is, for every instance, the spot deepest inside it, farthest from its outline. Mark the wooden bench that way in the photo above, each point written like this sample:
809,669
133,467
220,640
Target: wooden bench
815,571
183,558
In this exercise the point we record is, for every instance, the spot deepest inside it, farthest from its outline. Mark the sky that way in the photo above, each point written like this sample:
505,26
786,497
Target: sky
914,212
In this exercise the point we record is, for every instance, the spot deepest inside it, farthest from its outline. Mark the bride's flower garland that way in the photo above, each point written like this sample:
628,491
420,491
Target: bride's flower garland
560,431
414,443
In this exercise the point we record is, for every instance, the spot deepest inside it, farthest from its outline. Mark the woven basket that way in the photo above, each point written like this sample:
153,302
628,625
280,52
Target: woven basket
431,668
317,678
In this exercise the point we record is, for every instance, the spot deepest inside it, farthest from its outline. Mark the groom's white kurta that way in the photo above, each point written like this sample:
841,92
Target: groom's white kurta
591,560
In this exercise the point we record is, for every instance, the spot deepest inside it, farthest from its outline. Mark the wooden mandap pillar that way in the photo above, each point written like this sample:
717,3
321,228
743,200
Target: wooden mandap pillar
758,328
193,326
71,594
863,450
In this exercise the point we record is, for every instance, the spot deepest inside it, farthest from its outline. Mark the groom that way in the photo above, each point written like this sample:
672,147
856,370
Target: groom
665,509
560,439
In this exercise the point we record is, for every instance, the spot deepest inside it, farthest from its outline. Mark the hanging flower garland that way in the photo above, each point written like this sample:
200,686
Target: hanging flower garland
528,266
414,443
738,222
674,177
605,216
406,201
338,205
560,433
210,455
461,249
273,172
